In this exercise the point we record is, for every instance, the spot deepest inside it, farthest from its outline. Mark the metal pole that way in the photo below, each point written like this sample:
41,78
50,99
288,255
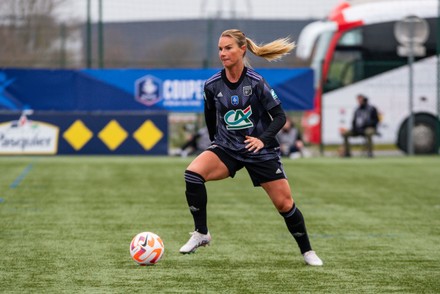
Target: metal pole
89,36
321,111
411,90
209,31
63,46
438,79
101,37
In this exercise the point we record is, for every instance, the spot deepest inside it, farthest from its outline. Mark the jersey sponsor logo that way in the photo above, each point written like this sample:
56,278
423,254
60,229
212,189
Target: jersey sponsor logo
238,119
234,100
274,95
247,90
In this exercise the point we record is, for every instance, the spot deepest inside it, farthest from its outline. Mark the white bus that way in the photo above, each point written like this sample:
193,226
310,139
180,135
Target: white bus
354,52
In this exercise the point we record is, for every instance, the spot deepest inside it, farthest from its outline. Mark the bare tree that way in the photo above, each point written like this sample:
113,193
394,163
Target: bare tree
29,30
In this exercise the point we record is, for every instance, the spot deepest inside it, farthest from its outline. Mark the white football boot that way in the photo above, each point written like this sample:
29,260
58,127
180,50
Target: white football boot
311,258
195,241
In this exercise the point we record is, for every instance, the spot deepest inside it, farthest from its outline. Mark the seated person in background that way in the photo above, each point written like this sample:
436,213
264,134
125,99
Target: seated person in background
290,140
198,143
365,120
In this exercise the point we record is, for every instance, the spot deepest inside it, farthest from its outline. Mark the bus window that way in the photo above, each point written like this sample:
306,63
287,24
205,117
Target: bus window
380,49
319,55
368,51
345,66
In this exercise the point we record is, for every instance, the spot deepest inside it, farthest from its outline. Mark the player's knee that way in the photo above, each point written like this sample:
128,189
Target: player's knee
370,131
285,204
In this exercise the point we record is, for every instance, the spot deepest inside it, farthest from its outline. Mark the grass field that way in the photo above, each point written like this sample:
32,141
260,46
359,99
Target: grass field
66,224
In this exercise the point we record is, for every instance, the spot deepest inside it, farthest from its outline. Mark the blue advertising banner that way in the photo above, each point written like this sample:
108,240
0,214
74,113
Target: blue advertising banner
173,90
84,133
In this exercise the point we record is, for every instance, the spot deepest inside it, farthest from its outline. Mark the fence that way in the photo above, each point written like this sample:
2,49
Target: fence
142,34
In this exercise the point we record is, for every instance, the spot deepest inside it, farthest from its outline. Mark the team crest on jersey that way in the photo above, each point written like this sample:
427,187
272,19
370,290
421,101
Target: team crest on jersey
238,119
247,90
234,100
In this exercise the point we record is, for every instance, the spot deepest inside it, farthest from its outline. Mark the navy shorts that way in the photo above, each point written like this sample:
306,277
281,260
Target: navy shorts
260,172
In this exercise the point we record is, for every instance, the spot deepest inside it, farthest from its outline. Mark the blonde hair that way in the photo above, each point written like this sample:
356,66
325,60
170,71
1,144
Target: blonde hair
272,51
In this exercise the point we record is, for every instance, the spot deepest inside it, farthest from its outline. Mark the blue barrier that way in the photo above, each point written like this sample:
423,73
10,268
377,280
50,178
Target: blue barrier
134,90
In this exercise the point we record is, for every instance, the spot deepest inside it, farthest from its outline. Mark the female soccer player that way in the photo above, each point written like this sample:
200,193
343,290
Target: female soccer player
243,114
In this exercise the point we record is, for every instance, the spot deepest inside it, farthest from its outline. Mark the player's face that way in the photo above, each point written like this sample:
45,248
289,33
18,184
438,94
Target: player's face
229,52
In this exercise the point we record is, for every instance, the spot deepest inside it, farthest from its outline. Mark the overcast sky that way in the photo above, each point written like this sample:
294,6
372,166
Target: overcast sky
132,10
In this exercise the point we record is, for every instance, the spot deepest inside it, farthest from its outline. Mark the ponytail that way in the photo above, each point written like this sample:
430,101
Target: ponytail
272,51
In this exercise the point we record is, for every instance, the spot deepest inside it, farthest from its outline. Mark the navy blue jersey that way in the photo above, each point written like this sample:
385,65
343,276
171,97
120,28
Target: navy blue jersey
241,110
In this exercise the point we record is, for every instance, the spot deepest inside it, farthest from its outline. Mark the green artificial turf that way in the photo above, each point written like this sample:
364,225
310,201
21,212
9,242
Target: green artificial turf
66,224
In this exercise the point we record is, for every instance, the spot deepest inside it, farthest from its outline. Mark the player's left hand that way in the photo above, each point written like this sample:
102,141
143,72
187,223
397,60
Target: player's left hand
253,144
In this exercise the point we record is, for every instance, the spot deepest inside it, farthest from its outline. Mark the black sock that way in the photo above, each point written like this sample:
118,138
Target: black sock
295,223
197,199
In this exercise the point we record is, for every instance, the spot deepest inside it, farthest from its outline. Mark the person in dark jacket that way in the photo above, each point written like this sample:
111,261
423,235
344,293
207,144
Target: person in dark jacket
365,121
290,140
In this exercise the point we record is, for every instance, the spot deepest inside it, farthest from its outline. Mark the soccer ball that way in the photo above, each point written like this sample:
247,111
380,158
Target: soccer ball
146,248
